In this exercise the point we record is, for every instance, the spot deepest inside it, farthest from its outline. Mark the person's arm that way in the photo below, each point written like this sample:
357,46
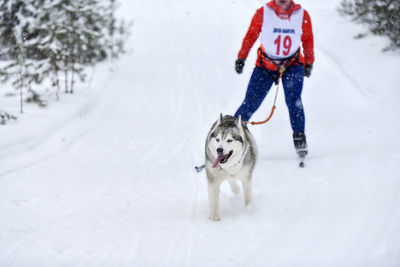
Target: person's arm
308,39
252,34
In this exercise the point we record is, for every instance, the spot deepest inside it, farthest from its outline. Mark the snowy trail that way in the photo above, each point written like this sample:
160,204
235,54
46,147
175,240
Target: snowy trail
122,191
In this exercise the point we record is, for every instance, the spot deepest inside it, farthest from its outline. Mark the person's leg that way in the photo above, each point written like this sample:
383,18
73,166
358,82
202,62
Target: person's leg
292,81
258,87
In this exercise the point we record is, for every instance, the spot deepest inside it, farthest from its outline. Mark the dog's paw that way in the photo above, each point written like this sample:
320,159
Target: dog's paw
249,208
214,217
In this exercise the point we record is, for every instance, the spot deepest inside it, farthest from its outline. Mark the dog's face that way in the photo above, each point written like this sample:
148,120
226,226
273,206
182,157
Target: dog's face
227,141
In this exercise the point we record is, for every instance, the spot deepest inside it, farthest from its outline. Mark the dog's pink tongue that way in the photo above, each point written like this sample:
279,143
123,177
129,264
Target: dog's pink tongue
218,160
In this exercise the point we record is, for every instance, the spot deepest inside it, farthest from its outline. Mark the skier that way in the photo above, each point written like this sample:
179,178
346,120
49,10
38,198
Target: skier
283,26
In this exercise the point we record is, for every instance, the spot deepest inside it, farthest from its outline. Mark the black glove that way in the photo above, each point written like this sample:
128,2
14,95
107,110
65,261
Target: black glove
239,64
307,70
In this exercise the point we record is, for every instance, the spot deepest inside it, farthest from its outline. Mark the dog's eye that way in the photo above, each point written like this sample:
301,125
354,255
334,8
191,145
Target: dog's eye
229,140
217,139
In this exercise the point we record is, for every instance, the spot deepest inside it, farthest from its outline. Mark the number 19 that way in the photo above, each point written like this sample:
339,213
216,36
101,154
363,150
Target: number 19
287,44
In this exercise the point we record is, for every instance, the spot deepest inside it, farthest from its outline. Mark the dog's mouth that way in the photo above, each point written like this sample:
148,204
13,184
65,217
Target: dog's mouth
221,159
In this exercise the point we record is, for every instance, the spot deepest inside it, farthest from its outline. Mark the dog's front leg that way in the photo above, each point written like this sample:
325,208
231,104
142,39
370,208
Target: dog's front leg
246,183
213,199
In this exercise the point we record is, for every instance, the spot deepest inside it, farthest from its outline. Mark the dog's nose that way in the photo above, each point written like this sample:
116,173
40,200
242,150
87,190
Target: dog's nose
220,150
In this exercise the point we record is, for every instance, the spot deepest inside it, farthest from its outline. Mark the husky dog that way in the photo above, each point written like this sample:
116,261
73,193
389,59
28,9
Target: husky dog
231,154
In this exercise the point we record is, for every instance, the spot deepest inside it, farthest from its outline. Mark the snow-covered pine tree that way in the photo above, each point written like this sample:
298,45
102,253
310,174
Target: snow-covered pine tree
382,16
16,37
12,13
50,50
80,37
47,39
117,32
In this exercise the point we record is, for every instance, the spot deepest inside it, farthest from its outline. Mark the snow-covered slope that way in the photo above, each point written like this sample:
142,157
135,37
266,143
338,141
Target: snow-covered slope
111,182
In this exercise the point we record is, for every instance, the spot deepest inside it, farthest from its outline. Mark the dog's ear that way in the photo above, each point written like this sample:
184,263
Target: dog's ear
217,123
240,125
238,120
220,119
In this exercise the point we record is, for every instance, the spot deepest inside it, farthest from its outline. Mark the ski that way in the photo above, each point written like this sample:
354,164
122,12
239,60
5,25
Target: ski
199,168
302,157
301,163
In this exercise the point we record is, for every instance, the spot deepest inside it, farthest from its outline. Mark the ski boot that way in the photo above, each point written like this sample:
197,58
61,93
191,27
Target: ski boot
300,144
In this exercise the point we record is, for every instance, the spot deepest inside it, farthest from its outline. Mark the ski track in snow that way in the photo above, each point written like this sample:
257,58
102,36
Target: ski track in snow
338,66
121,189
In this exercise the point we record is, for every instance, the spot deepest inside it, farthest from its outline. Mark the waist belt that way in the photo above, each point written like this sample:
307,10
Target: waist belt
285,62
279,63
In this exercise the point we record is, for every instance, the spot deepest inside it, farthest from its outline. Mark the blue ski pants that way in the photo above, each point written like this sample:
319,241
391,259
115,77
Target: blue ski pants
259,85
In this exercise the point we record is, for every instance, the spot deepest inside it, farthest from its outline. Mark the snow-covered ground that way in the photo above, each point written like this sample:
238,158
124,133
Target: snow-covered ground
105,177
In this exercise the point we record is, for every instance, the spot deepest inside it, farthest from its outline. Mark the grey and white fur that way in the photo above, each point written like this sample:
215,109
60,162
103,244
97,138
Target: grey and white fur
230,154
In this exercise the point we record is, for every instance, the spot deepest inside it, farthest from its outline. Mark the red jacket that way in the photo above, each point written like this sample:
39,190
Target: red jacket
255,30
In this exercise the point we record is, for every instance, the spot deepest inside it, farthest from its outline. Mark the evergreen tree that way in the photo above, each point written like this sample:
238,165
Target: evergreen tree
47,39
78,34
382,16
15,37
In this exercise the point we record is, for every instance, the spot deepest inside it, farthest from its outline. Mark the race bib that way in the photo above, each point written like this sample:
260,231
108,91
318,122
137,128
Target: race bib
281,38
